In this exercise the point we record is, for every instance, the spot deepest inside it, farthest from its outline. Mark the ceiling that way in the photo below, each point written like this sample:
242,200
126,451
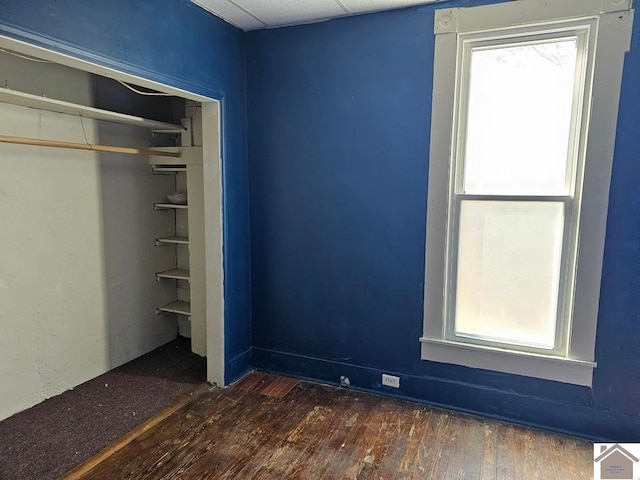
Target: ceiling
255,14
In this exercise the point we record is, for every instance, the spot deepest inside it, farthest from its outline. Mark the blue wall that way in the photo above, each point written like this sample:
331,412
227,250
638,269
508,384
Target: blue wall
339,121
179,44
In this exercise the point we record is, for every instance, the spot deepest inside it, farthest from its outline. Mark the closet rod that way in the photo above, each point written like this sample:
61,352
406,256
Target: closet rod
85,146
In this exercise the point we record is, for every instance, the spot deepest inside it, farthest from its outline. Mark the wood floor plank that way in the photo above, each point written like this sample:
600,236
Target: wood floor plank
268,427
362,455
424,462
450,461
542,448
252,382
267,384
398,441
280,387
334,452
504,457
488,468
467,461
582,458
266,430
421,419
519,447
303,447
208,437
571,459
384,421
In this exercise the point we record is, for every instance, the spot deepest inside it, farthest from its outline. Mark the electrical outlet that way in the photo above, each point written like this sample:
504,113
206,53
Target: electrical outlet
390,380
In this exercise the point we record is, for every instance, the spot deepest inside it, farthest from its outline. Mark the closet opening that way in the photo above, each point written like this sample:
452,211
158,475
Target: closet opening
111,246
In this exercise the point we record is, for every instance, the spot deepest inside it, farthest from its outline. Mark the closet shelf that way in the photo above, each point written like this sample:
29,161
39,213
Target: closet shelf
50,104
168,206
177,129
178,306
168,169
176,273
172,240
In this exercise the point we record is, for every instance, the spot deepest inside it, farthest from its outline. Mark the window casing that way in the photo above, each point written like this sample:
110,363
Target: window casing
568,209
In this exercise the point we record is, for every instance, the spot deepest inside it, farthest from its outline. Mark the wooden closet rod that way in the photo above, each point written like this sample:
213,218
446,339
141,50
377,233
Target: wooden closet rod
84,146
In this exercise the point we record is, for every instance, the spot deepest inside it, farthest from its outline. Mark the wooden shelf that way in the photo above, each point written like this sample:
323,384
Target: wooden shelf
50,104
180,307
176,273
173,240
169,206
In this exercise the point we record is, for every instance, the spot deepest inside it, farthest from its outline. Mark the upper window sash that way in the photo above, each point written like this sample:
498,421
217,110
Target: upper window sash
582,34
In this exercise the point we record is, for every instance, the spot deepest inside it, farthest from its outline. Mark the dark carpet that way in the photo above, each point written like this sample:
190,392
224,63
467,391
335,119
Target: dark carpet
49,439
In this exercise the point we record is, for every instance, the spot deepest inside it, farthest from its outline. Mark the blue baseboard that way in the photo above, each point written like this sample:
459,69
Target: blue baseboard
238,366
577,420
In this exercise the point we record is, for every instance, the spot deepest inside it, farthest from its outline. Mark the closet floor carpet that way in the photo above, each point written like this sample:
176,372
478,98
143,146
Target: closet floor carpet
273,427
49,439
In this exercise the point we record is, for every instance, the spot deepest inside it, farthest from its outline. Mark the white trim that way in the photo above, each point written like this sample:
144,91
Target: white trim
518,363
212,178
214,243
446,21
614,39
613,31
521,12
442,115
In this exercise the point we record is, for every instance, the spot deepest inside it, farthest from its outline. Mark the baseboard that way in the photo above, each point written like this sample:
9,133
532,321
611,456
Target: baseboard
584,421
238,366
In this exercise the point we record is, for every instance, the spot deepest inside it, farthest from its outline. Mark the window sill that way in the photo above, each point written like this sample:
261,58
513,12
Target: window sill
566,370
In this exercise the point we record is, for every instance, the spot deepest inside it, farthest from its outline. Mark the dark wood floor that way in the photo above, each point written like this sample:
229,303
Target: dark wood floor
272,427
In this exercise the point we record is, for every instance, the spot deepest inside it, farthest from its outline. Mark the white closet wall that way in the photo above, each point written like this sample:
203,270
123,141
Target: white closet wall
77,229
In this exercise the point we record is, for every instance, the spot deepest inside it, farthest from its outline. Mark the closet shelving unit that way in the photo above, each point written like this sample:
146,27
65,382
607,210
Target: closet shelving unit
188,240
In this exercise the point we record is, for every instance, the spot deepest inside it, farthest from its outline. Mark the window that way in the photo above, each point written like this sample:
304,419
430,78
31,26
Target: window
521,151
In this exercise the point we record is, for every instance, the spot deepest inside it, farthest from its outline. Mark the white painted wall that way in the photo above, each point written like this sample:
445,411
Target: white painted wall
77,259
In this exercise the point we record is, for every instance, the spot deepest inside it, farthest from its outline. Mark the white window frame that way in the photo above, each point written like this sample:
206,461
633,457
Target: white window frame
607,26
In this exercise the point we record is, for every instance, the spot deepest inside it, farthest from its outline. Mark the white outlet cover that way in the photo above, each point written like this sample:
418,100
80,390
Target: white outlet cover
390,380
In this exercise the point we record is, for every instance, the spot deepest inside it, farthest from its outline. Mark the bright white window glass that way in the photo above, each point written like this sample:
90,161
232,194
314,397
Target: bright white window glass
508,271
519,117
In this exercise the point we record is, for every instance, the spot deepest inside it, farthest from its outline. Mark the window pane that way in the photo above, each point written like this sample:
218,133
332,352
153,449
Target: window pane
519,119
508,271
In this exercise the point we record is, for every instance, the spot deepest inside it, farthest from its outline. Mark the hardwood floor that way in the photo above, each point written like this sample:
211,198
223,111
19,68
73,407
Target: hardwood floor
273,427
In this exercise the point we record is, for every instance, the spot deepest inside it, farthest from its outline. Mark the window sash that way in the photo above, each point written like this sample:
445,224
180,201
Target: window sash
470,45
565,286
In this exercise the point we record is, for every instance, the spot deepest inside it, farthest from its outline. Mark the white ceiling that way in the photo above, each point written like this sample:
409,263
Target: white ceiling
255,14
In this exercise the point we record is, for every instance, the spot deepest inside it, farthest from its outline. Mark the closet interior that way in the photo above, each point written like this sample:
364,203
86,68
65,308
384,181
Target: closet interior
102,250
